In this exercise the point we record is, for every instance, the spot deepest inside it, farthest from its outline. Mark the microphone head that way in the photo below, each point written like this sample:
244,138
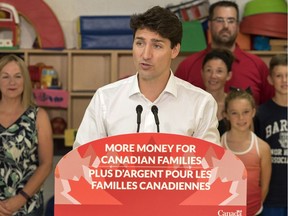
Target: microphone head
139,109
154,109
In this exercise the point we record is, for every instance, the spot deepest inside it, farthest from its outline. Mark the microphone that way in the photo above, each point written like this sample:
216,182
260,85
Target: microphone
139,110
154,110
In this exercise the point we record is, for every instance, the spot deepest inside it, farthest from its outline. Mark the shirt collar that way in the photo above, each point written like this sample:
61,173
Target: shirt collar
171,86
134,87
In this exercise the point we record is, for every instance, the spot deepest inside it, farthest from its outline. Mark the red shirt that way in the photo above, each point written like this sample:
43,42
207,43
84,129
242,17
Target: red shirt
247,70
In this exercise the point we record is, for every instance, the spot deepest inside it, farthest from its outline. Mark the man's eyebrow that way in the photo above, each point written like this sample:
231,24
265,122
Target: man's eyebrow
157,40
139,38
154,40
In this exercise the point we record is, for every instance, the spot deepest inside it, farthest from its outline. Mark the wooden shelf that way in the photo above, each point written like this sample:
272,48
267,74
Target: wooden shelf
82,94
58,136
83,71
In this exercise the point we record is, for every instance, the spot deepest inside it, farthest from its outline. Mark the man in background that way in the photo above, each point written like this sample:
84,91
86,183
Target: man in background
248,70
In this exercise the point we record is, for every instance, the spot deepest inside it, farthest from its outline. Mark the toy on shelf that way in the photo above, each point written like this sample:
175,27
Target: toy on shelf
44,77
265,20
49,78
191,10
47,27
58,125
47,87
69,136
35,76
9,27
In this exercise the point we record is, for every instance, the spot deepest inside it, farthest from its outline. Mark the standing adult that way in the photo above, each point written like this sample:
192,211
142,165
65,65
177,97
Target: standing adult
26,146
248,70
216,71
182,108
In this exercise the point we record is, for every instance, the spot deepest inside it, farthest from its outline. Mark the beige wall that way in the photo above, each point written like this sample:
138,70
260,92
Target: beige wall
68,11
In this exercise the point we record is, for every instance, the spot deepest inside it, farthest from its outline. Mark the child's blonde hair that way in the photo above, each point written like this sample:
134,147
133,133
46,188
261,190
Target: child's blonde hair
237,93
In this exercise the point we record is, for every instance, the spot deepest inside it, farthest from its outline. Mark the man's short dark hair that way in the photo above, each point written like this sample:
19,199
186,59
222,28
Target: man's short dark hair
161,21
276,60
222,4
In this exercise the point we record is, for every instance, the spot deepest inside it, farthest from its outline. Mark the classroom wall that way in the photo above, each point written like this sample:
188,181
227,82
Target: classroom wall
68,11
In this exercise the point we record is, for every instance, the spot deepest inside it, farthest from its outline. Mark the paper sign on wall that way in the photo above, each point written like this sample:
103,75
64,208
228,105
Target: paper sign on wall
51,98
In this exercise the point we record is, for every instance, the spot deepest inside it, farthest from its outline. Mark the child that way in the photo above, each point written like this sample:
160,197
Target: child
216,71
251,150
271,126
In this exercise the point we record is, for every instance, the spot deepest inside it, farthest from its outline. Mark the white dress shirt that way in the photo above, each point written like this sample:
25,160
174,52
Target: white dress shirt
182,109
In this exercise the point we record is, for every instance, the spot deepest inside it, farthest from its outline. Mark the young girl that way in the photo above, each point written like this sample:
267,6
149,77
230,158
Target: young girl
251,150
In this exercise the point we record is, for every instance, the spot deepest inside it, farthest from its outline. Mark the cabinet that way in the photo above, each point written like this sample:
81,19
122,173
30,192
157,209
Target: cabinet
81,72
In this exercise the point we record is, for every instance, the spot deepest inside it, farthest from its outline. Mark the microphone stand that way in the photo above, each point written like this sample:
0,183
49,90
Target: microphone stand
154,110
139,110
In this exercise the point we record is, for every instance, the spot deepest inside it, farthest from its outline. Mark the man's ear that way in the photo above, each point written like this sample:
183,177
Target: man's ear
209,25
269,79
175,51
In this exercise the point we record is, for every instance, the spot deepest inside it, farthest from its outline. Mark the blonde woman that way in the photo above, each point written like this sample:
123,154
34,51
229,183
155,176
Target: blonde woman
26,146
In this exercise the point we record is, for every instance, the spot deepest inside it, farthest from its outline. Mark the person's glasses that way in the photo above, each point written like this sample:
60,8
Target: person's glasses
222,20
